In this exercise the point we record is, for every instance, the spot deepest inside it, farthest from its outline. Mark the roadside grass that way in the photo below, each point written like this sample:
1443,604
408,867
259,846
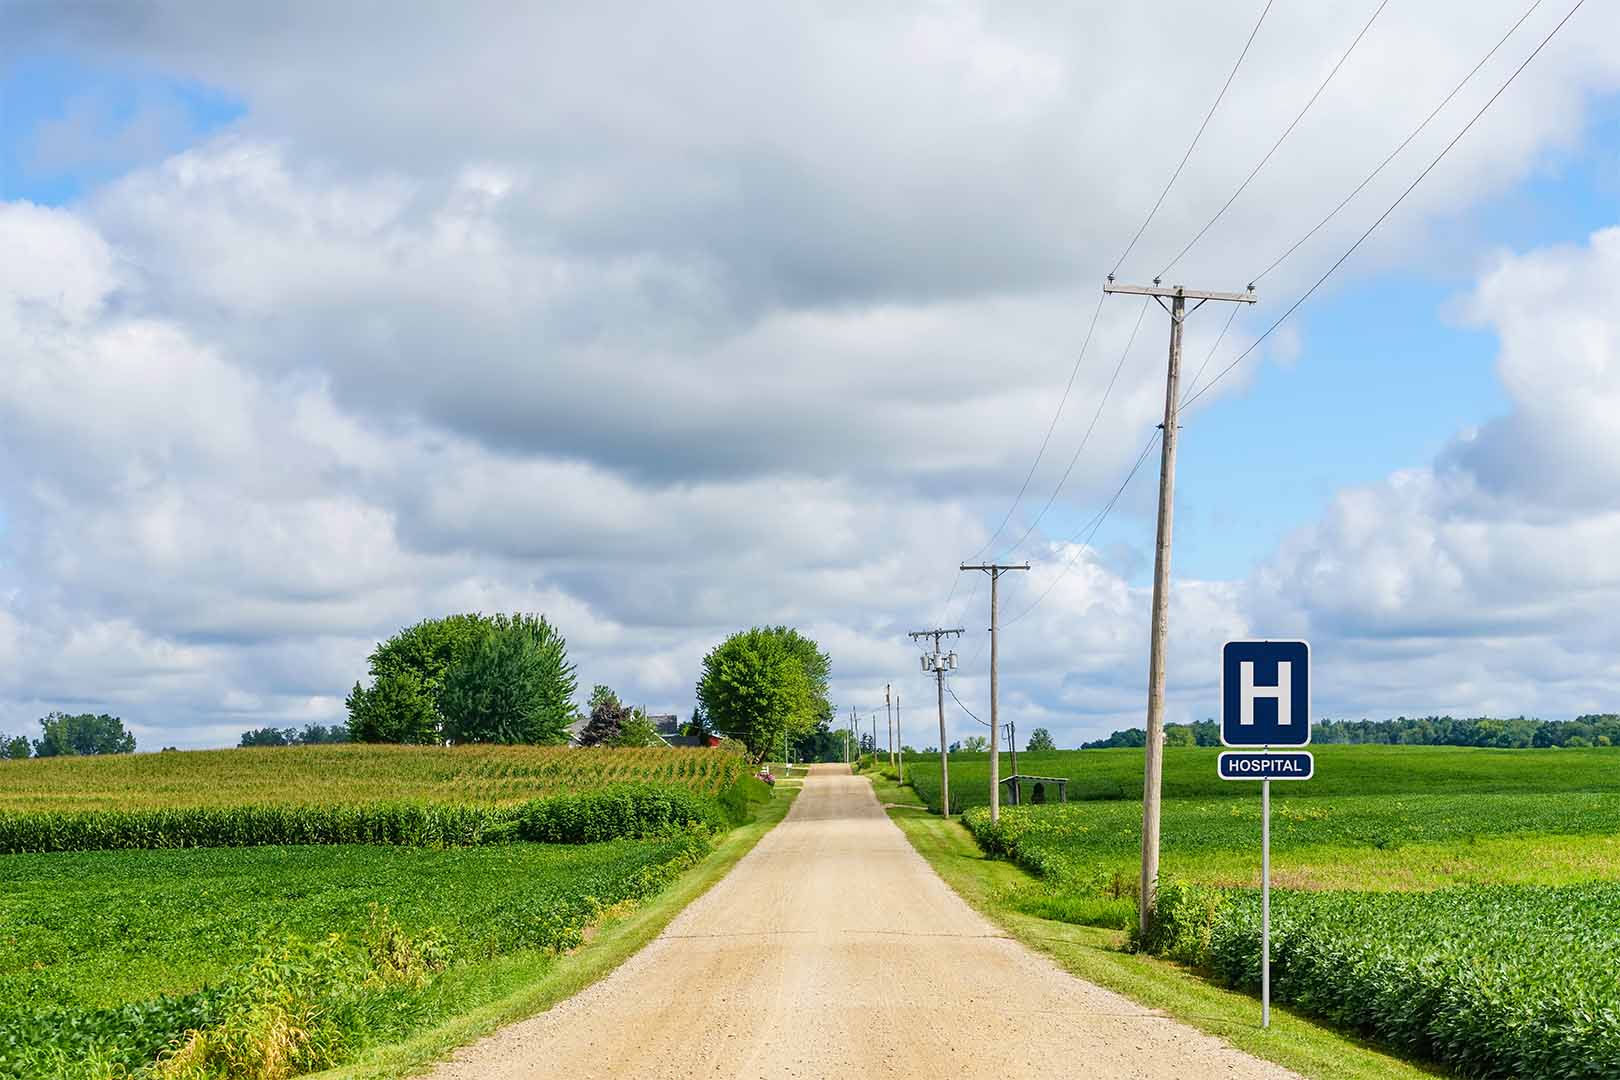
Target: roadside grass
499,992
993,886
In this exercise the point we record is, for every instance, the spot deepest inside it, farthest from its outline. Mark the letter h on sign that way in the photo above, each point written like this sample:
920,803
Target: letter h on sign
1282,693
1265,693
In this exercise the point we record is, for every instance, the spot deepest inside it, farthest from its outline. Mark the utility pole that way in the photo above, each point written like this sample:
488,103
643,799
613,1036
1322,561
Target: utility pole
1012,743
995,570
889,705
899,747
1153,773
939,662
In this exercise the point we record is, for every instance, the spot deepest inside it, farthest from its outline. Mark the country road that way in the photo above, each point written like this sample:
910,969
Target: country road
833,950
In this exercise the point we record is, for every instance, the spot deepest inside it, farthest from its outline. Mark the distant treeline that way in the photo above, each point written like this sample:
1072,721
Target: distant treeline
312,735
1599,729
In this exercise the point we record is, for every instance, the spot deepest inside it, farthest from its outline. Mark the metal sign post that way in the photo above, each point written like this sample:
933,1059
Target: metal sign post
1265,702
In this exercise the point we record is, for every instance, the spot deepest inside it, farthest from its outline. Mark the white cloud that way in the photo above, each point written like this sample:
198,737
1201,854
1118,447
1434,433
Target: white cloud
664,329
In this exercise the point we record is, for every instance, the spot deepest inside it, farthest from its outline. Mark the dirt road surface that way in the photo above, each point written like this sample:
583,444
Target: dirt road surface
833,950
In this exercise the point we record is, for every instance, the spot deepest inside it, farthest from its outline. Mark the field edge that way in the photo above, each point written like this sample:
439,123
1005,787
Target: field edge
612,945
1311,1049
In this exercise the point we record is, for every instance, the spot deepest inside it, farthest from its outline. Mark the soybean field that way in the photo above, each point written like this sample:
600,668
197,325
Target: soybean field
1456,904
274,912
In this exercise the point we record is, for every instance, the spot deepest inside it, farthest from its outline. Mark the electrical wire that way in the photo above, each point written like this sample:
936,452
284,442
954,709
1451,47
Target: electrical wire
1409,189
1023,488
1095,524
1280,139
1193,145
1208,357
1092,427
951,691
1455,90
1073,371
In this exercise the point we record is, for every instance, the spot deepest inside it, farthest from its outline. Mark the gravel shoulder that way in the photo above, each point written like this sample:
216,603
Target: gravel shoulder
833,949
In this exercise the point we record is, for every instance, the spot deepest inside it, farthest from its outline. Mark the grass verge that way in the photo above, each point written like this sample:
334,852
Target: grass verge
516,987
989,885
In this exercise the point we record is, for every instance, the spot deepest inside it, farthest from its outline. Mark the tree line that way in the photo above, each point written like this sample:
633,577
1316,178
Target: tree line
1598,729
472,678
67,735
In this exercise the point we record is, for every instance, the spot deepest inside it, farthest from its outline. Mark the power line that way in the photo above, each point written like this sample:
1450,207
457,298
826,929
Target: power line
1409,189
1455,90
951,691
1024,487
1209,356
1087,437
1193,145
1274,146
1095,524
1074,371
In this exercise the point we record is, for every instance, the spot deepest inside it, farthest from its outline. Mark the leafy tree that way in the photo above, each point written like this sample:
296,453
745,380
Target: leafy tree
762,684
269,736
601,695
1040,739
83,733
408,673
607,720
514,686
976,744
699,725
318,734
1128,737
1179,735
397,708
13,746
637,730
820,743
312,735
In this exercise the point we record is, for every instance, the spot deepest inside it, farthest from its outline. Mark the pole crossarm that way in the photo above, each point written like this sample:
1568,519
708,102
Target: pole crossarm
1246,297
935,634
993,568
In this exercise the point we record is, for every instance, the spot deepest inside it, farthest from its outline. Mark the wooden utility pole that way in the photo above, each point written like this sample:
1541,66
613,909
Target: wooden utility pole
939,662
889,705
1012,743
995,570
899,747
1153,773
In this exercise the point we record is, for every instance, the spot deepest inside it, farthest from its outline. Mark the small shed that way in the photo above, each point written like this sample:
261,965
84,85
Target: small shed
1035,789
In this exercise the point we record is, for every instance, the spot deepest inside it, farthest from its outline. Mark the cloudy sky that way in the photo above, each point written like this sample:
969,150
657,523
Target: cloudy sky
669,320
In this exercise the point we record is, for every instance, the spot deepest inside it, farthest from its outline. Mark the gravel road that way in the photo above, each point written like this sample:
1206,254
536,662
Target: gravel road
833,950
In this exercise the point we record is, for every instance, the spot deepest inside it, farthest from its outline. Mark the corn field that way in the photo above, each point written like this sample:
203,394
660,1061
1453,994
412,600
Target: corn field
349,774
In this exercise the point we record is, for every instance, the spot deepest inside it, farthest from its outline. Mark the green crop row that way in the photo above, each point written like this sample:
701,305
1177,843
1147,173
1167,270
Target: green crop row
109,958
1495,981
1189,773
1073,839
626,810
351,773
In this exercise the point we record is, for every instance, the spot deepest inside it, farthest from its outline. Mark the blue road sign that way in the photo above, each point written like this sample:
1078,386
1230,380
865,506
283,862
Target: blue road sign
1259,765
1266,693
